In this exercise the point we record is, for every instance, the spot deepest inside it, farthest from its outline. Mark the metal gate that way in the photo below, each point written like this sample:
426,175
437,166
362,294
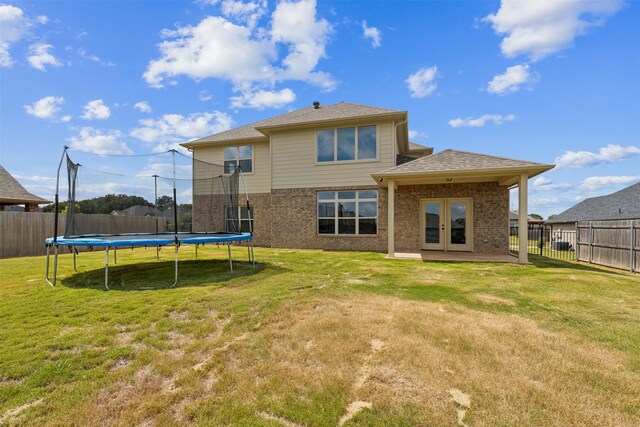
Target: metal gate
544,240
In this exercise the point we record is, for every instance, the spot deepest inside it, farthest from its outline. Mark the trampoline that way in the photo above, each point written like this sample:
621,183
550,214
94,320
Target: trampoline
222,189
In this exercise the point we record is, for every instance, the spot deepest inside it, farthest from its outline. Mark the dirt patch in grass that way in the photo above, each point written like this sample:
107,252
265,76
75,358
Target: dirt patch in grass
12,416
411,355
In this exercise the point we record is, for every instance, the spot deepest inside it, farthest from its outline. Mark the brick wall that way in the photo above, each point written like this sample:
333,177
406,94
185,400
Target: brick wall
490,214
294,222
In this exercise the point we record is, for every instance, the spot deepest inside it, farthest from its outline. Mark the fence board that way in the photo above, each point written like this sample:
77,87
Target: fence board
23,233
614,243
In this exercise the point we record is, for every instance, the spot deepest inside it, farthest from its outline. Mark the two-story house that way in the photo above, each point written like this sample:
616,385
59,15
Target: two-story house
346,177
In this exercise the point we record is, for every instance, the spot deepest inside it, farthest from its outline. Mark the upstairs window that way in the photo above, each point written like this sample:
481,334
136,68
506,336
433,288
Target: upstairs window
238,156
345,144
348,212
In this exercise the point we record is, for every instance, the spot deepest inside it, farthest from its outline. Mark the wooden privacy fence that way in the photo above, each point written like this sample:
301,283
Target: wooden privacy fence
614,243
23,233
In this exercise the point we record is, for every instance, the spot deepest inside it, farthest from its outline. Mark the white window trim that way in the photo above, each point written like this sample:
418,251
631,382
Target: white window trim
336,218
240,219
238,158
335,146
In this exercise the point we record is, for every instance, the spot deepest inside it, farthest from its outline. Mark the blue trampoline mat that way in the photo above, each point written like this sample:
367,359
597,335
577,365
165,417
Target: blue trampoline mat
148,239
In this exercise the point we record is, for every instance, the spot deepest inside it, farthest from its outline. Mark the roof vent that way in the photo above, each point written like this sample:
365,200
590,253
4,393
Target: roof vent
316,105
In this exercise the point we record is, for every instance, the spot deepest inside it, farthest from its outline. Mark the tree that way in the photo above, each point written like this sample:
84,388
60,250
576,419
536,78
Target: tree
536,216
552,216
165,202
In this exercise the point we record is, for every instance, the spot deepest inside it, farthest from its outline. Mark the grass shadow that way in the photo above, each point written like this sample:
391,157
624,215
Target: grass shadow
160,275
545,262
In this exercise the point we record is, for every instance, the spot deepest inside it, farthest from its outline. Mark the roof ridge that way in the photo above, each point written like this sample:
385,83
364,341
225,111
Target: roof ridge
490,155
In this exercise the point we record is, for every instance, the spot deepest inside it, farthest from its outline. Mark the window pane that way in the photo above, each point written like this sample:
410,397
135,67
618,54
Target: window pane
326,195
346,195
326,210
368,209
230,153
458,223
367,142
327,226
244,226
246,152
229,166
325,145
368,226
369,194
244,213
347,209
346,144
246,165
346,226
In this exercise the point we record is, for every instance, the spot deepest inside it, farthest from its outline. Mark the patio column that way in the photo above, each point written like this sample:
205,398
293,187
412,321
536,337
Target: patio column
523,214
391,195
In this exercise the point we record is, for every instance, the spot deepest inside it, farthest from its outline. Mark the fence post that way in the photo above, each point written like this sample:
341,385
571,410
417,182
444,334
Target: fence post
541,230
631,246
577,241
590,242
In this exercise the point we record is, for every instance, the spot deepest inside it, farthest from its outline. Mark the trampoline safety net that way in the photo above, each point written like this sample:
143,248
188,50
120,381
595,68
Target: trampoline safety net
164,192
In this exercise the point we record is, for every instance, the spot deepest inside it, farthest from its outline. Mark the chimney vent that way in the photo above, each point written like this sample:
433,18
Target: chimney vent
316,105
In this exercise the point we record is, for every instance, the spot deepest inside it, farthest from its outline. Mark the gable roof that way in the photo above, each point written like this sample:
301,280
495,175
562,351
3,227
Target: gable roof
623,204
11,192
308,115
459,161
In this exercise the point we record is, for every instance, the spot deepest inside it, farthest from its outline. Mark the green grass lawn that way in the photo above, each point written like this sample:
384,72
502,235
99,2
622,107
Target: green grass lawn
312,338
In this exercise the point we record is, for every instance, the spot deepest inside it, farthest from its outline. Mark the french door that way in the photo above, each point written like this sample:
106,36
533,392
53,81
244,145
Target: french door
446,224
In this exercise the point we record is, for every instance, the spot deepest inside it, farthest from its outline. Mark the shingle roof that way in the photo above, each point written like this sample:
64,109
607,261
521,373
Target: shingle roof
341,110
453,161
415,147
623,204
12,192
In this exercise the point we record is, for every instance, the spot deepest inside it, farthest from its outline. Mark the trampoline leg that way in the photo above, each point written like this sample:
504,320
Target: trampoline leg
248,252
106,267
176,268
115,255
253,257
55,266
158,252
196,251
74,260
230,261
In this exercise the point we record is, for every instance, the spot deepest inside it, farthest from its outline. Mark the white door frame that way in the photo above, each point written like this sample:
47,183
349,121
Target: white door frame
445,225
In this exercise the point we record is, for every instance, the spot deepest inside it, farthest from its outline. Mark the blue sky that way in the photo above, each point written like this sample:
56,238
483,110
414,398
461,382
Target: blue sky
552,82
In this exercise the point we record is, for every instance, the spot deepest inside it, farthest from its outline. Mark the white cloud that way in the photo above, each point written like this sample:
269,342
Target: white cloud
608,154
39,57
414,134
372,33
42,19
542,27
247,57
263,99
295,24
175,128
545,184
497,119
95,141
422,82
142,106
248,13
597,182
93,58
204,95
512,80
96,110
13,27
45,108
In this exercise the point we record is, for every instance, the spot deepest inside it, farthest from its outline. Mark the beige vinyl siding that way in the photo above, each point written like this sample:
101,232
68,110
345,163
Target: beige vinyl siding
294,160
259,181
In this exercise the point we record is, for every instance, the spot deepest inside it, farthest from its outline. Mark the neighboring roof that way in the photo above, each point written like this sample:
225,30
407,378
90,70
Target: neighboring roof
623,204
308,115
513,216
453,161
11,192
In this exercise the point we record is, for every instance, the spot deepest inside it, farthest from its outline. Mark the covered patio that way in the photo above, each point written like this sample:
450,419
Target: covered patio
456,202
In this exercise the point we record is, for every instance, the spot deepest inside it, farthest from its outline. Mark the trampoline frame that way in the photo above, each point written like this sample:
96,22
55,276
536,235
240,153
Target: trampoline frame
172,238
